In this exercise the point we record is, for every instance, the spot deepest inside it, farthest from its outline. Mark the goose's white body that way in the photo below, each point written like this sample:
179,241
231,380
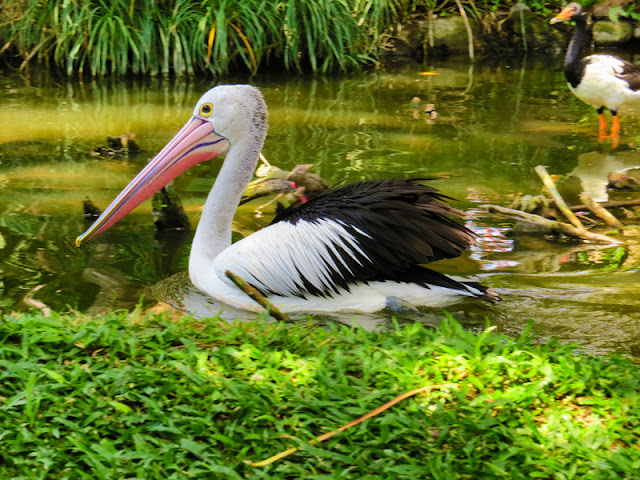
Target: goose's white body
358,248
603,85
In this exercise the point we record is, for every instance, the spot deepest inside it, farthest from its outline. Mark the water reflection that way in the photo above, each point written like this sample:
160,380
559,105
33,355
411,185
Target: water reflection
494,122
177,292
591,173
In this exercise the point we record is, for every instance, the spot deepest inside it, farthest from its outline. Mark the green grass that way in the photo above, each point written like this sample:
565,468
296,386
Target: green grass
130,397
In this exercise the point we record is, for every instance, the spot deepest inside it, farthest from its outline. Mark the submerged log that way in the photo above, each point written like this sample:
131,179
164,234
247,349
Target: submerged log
561,227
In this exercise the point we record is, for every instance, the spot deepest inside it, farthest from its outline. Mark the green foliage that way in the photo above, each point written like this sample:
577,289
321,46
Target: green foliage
129,397
317,29
221,24
188,37
379,15
632,11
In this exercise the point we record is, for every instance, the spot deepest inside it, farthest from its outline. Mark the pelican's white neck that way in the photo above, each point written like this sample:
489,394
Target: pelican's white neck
213,234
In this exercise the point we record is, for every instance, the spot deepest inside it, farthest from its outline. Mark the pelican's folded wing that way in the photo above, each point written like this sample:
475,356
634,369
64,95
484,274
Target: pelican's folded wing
369,231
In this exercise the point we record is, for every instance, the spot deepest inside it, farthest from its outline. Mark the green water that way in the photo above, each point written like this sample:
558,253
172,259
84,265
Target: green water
494,122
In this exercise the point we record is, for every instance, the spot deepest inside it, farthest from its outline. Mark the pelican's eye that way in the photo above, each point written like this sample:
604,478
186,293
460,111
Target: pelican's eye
206,110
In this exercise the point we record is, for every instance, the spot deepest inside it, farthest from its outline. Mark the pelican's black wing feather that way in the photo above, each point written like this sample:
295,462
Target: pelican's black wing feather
398,225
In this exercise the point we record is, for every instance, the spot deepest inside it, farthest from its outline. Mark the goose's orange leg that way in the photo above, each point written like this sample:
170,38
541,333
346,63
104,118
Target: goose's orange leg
602,134
615,129
615,123
603,123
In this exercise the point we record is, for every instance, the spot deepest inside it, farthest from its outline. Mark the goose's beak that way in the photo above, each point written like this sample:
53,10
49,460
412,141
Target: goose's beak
196,142
563,16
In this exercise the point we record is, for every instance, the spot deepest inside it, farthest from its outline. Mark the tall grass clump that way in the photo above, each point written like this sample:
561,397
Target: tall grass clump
236,32
189,37
379,17
323,33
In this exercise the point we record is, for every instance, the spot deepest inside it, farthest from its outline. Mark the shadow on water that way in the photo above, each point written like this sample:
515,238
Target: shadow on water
479,129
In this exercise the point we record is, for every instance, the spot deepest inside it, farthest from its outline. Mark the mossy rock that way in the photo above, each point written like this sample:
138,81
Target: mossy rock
449,34
606,32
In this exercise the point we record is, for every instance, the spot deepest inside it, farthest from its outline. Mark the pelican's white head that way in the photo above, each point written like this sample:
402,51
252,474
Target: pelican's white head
224,116
234,111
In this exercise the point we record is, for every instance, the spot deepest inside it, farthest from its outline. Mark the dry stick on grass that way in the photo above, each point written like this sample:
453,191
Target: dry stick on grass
366,416
600,211
257,296
551,187
551,224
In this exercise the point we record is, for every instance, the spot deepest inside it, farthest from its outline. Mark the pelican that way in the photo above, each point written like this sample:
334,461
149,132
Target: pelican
355,248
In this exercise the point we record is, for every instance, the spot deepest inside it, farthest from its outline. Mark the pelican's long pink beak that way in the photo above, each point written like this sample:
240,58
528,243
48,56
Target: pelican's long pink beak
196,142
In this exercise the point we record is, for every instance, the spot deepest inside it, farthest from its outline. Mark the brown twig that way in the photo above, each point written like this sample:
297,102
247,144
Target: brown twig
599,211
612,204
560,203
366,416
